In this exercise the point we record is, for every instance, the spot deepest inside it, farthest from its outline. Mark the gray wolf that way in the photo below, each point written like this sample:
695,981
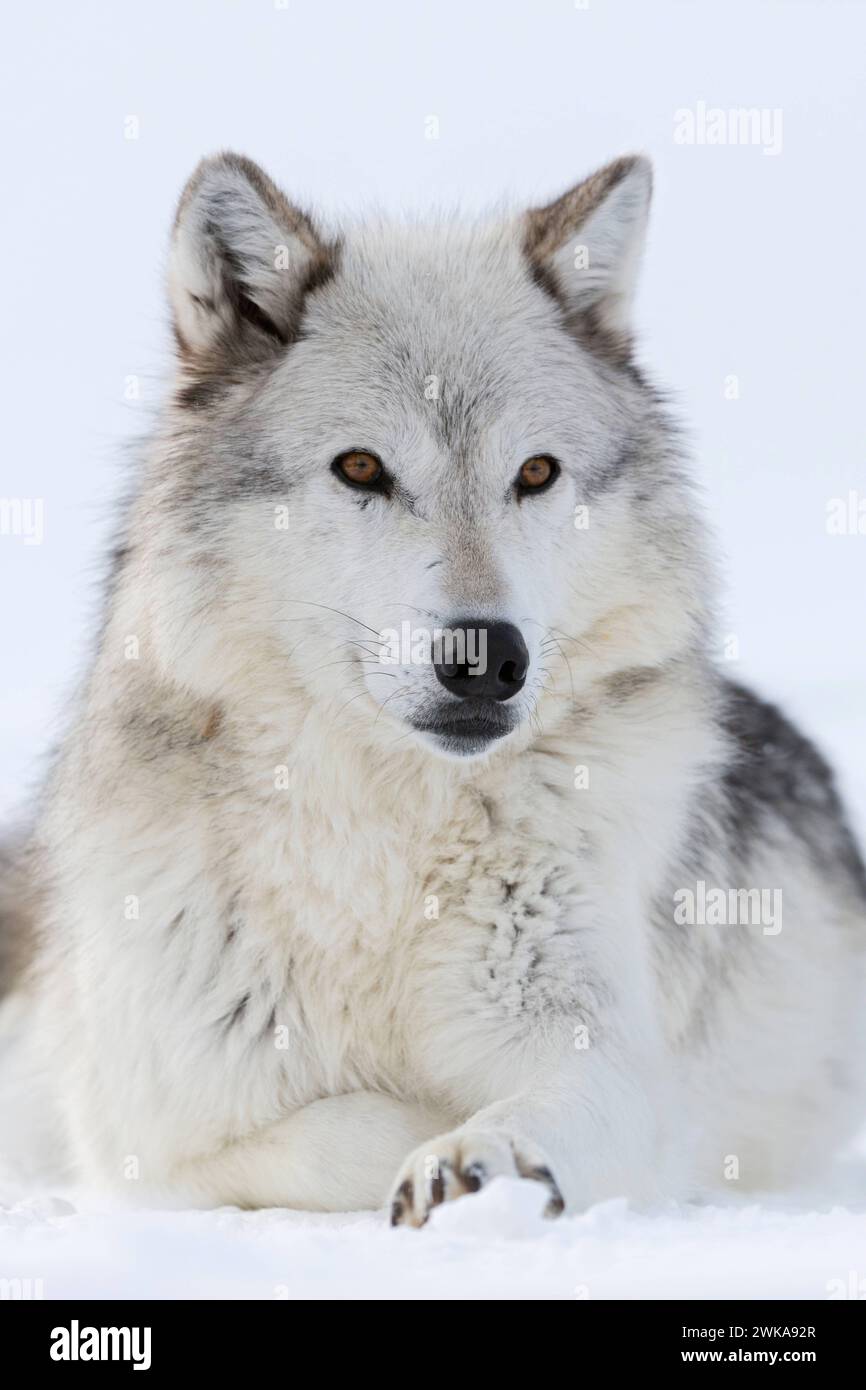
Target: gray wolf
321,920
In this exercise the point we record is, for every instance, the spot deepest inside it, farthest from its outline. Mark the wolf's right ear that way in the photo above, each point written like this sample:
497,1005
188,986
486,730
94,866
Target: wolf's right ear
242,260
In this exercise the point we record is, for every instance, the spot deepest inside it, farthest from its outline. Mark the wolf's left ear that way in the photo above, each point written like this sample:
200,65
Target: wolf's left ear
586,246
242,259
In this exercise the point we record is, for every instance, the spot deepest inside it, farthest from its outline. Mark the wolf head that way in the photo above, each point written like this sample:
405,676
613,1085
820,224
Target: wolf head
412,473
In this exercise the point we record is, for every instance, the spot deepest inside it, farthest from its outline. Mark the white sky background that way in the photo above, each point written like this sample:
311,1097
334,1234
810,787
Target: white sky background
754,265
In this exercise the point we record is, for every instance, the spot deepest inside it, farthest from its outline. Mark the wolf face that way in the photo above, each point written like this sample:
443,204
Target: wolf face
414,472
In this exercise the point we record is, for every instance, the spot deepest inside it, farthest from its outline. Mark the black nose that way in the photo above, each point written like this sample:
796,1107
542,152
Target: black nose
483,661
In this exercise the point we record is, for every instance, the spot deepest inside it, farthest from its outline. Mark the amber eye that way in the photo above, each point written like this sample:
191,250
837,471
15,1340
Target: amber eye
537,473
359,469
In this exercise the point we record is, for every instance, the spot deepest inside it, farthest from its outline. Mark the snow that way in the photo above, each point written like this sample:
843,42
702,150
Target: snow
529,98
492,1245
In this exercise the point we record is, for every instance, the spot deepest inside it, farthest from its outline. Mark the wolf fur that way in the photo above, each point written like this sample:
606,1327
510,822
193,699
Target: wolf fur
294,949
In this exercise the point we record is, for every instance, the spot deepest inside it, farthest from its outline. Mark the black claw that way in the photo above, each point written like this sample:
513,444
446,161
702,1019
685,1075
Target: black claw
474,1176
402,1199
437,1189
556,1203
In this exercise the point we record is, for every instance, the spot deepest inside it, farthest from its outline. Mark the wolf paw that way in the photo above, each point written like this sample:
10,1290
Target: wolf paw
462,1162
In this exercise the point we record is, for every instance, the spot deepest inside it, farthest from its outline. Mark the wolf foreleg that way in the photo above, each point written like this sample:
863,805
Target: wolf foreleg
337,1154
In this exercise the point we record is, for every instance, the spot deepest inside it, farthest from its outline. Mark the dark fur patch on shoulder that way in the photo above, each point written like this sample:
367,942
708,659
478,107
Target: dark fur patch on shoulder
775,771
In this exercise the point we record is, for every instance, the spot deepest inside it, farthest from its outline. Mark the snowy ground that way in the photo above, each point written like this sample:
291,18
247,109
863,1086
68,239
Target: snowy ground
491,1246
